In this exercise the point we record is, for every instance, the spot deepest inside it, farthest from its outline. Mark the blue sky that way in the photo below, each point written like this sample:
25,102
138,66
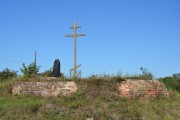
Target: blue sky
122,35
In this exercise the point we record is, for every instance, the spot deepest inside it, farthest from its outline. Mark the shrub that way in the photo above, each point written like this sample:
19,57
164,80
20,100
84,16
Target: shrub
7,74
29,71
47,73
171,83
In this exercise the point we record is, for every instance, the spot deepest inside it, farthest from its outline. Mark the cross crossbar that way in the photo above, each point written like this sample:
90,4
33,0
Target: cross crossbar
77,35
72,27
72,69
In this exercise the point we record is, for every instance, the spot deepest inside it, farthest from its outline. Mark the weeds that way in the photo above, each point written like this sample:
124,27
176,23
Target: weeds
96,97
171,83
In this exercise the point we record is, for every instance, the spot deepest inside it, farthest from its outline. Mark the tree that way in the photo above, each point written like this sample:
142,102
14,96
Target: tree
29,71
171,83
7,74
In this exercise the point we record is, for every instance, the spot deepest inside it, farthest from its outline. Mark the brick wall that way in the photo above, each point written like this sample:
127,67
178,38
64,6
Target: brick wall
44,88
142,88
128,88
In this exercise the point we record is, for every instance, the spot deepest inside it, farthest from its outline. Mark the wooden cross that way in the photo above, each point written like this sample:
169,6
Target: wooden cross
75,57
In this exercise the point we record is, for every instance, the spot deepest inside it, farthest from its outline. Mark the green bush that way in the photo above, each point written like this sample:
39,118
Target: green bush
171,83
7,74
29,71
47,73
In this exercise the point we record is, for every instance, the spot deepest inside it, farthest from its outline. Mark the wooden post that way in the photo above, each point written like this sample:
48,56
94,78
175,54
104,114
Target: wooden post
75,71
35,63
35,58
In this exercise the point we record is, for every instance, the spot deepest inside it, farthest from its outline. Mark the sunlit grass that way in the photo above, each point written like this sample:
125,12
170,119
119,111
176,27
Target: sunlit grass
97,97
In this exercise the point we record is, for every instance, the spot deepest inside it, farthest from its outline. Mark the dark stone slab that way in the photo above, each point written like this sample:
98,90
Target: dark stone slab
56,68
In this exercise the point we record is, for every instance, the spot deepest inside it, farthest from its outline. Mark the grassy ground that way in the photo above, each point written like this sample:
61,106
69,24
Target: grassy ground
97,98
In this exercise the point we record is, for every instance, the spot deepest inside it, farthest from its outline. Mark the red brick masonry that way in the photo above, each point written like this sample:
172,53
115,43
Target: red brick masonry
44,88
142,88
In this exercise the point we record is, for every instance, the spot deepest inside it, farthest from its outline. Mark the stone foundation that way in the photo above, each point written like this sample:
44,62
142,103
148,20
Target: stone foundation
44,88
142,88
128,88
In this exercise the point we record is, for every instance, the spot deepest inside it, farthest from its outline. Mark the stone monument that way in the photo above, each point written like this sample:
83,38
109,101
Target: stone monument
56,68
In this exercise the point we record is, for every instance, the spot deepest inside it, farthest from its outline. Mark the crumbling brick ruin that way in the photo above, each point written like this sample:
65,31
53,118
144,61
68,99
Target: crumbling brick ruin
44,88
128,88
142,88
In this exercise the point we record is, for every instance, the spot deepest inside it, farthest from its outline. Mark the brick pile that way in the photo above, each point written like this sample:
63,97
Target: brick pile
142,88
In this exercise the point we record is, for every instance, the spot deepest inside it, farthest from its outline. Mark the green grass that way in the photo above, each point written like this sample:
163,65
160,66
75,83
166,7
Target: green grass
97,98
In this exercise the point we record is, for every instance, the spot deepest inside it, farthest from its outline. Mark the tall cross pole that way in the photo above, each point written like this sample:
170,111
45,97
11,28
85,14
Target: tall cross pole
75,46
